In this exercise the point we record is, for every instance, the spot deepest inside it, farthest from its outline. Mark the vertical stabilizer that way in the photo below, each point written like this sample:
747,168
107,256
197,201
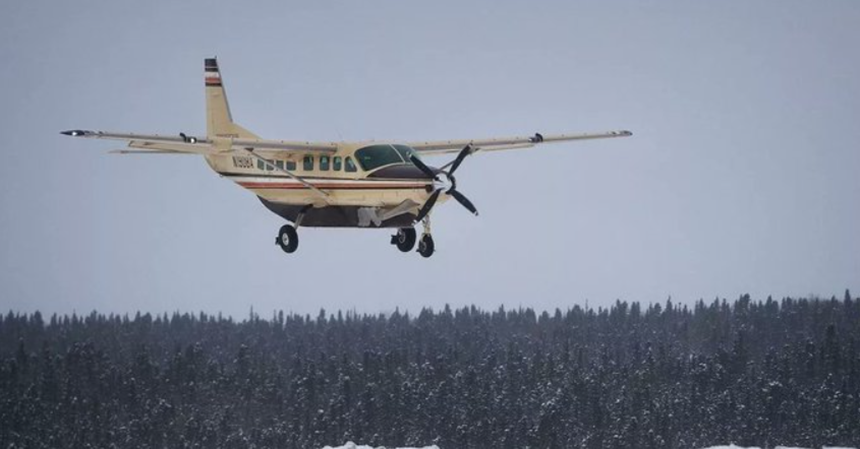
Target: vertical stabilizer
219,122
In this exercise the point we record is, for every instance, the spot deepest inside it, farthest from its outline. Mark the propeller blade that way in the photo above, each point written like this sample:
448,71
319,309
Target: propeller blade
423,167
463,200
425,209
467,150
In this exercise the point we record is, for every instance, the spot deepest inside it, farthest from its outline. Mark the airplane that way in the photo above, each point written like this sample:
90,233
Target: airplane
375,184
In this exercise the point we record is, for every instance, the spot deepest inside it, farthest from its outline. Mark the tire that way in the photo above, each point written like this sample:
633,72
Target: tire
405,239
426,247
288,239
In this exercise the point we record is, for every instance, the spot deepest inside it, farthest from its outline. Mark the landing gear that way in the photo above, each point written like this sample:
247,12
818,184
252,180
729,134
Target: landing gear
288,239
426,247
404,239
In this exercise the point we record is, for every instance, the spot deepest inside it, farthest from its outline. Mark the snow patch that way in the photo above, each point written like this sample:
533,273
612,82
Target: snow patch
351,445
732,446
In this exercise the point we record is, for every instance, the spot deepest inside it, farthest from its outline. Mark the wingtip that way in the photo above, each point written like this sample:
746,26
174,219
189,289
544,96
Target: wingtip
74,132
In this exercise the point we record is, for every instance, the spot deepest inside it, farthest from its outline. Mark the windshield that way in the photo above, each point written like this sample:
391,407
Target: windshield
405,152
376,156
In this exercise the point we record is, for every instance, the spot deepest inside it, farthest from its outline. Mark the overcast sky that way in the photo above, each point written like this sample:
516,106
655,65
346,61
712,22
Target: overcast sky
741,176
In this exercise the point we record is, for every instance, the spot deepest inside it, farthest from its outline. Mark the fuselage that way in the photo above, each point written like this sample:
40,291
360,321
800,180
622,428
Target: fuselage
361,182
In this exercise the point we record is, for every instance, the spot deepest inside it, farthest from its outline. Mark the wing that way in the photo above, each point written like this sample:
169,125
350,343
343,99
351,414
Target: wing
506,143
159,144
256,148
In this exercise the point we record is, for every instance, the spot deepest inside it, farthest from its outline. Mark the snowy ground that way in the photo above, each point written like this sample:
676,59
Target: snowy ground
351,445
732,446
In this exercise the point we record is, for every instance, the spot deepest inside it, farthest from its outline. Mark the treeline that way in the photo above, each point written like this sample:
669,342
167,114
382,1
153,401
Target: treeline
662,376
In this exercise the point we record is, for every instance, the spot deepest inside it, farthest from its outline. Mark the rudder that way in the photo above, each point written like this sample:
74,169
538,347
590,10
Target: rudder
219,121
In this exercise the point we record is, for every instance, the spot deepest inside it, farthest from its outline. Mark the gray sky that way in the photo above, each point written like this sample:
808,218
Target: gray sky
741,175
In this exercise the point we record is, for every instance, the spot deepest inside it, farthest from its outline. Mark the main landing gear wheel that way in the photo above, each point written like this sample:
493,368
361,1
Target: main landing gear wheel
426,247
288,239
404,239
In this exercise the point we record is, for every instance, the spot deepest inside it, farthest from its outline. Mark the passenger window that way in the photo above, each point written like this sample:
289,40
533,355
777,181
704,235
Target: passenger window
269,166
337,163
291,165
350,165
279,164
260,164
308,163
324,163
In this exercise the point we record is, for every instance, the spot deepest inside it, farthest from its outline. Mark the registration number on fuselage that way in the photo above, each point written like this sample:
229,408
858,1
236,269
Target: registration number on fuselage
243,162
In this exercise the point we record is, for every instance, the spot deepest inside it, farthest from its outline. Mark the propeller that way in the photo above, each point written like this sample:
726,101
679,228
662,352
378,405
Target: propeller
467,150
425,209
423,167
463,200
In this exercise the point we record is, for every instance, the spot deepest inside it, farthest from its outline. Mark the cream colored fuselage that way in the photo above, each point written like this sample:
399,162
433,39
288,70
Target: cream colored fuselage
343,188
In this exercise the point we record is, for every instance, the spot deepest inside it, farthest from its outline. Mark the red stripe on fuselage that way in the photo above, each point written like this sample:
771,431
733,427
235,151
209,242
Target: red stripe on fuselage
332,186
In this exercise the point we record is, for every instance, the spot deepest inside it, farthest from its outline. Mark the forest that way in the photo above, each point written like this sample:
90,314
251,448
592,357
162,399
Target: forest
750,372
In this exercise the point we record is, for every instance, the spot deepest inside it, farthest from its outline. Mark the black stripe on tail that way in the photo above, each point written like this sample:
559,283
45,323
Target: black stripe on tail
211,65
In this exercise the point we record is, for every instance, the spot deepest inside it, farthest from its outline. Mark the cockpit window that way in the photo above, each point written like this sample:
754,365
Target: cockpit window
376,156
406,152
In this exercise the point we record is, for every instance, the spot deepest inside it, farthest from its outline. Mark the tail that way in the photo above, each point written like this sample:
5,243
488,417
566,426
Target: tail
219,122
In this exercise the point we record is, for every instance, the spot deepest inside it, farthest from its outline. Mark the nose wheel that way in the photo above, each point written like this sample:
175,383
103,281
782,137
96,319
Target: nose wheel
426,247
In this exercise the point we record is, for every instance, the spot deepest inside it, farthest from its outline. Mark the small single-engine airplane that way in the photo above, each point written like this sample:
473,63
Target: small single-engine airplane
330,184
